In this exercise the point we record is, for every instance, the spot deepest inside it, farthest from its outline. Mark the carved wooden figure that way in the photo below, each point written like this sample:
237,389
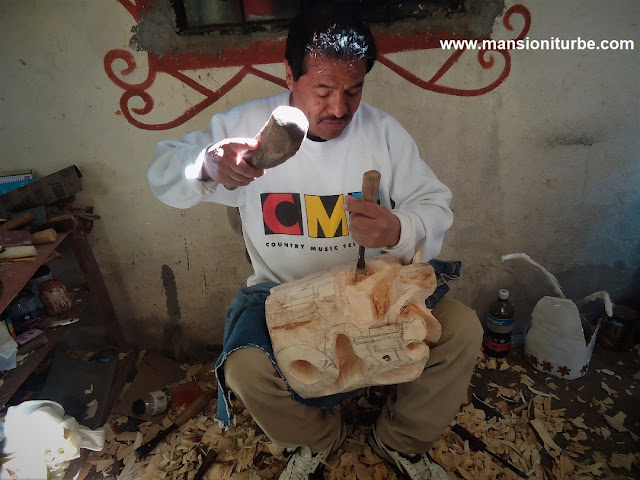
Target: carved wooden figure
334,333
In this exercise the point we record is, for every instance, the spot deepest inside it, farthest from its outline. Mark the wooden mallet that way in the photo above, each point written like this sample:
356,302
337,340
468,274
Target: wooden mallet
279,139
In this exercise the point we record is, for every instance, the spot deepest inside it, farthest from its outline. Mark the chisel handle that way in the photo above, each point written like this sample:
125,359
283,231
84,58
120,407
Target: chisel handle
192,409
19,221
145,449
370,184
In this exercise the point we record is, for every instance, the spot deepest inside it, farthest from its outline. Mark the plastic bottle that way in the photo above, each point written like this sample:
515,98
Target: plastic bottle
497,339
158,401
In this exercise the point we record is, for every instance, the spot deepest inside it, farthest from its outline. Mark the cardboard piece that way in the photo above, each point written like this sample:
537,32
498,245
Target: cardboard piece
154,373
70,379
44,191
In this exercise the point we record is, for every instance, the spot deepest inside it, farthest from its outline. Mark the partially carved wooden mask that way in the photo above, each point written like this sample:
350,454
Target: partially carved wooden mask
334,333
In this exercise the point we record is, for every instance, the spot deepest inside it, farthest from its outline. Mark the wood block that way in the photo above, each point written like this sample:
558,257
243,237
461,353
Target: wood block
332,333
11,253
44,236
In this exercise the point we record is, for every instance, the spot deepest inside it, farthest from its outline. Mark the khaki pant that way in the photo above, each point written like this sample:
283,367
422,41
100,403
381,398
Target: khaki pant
415,415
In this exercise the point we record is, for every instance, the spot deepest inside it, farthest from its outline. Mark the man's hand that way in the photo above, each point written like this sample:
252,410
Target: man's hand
223,162
370,224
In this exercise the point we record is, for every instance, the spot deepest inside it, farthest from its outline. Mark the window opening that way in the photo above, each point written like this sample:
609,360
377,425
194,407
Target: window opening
195,17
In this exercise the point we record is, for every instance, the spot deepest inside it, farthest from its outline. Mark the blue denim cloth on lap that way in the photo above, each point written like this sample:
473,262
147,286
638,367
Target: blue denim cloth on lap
445,271
246,326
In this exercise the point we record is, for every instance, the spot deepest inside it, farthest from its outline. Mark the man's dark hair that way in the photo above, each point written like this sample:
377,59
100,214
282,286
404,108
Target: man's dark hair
334,31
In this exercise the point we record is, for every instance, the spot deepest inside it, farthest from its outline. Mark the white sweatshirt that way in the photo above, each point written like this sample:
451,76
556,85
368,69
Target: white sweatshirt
292,217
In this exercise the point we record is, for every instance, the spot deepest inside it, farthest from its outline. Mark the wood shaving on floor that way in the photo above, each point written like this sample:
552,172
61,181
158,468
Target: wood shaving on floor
540,440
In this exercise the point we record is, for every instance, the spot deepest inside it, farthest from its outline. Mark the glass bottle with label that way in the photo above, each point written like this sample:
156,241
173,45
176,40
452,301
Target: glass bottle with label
55,297
158,401
497,340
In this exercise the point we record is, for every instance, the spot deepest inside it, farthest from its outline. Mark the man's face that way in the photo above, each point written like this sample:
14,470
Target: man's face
328,93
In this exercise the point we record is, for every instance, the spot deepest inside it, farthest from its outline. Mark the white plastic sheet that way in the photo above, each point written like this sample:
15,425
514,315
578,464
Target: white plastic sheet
41,437
555,342
8,349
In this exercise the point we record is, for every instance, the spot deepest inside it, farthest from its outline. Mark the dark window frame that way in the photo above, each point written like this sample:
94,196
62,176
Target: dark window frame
377,12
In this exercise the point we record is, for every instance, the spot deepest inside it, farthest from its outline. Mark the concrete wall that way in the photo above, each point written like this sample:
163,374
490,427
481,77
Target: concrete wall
548,163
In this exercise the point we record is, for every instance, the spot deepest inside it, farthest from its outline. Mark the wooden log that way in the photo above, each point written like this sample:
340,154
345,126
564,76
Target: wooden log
332,333
44,236
62,223
11,253
19,221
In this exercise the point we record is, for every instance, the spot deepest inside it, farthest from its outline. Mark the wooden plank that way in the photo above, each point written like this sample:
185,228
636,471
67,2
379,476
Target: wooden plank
97,287
15,275
125,371
18,375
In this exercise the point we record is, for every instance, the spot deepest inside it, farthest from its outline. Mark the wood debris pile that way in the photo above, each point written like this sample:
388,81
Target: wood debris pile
242,453
543,441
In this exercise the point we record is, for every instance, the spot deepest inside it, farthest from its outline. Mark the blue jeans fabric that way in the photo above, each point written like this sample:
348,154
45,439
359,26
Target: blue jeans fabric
445,271
246,326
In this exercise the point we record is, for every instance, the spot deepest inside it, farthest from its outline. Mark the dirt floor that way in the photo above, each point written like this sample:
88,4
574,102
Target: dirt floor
545,426
610,376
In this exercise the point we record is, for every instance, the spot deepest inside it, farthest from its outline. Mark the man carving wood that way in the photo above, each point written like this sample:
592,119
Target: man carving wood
304,217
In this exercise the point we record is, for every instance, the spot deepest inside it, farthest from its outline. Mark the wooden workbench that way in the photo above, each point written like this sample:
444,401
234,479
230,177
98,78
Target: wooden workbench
16,275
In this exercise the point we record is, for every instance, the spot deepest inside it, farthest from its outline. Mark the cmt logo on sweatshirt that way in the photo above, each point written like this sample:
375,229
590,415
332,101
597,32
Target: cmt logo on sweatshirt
282,214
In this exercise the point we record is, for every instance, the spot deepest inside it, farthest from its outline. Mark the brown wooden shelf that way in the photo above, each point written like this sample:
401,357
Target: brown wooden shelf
15,275
16,377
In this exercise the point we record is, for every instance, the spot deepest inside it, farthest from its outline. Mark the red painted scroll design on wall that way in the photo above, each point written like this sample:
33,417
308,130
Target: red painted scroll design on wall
273,52
485,59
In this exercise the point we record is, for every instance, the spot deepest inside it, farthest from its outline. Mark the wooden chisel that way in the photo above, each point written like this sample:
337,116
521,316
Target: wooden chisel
370,184
191,411
477,444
